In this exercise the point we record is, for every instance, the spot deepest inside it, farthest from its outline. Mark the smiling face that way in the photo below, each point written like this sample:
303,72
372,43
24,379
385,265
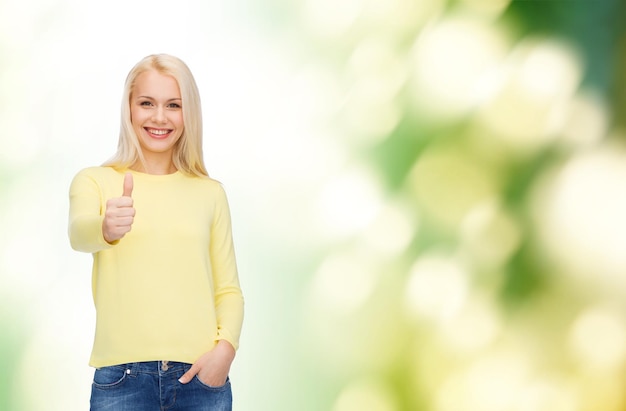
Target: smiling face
156,114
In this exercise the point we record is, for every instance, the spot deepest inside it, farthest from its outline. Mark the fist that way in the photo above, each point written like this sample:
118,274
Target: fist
119,214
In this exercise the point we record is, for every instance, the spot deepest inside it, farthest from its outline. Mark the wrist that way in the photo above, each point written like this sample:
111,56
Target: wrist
225,348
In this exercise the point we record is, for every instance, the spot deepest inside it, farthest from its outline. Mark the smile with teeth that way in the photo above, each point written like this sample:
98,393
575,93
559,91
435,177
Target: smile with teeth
158,132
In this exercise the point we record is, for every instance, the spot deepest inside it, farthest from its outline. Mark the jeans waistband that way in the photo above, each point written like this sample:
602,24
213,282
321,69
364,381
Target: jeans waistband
154,367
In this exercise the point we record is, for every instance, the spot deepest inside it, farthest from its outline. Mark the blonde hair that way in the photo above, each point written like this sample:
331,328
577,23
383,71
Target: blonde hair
187,155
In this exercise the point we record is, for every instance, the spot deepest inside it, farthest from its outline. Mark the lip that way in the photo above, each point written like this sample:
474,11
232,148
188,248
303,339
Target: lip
158,136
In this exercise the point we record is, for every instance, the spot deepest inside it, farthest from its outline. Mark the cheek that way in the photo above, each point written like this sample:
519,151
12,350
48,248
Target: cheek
179,125
134,117
179,121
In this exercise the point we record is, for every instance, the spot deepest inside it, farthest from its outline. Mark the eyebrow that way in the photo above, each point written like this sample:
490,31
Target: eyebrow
152,98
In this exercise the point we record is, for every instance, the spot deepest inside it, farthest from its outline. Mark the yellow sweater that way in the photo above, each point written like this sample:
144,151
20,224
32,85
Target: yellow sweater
169,289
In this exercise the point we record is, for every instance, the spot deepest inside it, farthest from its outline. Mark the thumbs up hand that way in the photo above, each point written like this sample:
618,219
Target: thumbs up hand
119,214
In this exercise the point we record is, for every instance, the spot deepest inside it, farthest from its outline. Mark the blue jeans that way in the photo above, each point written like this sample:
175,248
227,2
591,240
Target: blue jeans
154,386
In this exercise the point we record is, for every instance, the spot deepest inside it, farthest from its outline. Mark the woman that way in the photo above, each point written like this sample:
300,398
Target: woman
169,307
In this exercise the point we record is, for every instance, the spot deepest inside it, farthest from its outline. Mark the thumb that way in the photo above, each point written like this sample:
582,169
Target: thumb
189,374
128,185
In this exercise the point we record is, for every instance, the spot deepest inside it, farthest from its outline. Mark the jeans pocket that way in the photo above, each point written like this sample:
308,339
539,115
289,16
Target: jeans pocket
210,387
109,377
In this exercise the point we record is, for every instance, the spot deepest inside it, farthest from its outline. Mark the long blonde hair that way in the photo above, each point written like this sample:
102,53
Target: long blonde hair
187,155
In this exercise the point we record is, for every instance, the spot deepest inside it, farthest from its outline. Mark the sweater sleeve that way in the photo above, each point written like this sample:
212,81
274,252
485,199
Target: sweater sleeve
228,295
86,215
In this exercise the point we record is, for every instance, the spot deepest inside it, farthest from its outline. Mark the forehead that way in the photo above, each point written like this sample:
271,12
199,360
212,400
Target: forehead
154,84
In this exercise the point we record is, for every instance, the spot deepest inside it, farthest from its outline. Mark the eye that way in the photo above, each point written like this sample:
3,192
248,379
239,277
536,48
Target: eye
174,105
145,103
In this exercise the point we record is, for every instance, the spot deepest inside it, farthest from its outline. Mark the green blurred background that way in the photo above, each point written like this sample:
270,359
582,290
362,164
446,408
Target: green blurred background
428,195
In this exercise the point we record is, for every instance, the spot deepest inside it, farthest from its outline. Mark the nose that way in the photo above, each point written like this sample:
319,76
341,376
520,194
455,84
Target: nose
159,116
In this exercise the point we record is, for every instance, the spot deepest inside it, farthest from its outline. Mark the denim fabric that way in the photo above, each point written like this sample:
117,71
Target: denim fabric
154,386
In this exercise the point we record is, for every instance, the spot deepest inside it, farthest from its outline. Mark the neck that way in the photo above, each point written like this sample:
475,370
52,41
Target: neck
158,165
